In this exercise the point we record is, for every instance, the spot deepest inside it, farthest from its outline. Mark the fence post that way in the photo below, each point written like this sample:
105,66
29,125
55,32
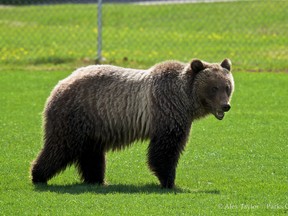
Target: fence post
99,39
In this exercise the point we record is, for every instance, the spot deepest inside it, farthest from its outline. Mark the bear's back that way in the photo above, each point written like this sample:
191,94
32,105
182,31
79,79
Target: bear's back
114,102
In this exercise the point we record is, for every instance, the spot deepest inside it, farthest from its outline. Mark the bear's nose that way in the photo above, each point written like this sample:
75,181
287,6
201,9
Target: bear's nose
226,107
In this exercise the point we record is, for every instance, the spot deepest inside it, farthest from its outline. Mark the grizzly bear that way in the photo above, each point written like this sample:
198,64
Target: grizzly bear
102,107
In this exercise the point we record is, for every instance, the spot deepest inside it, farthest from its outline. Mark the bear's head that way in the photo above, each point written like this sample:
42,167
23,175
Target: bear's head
213,85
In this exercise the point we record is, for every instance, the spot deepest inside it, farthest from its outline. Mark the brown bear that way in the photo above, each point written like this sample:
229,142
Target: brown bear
102,107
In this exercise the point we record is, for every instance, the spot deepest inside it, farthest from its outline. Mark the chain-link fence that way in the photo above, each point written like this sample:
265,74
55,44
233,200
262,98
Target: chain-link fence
46,33
254,34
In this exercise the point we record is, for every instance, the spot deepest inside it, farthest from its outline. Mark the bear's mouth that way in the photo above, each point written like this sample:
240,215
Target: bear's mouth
219,115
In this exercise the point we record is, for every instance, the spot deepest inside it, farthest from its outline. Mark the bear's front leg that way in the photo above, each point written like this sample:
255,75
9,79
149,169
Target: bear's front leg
163,155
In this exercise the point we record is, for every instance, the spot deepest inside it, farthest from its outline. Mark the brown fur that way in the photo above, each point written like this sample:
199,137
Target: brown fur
98,108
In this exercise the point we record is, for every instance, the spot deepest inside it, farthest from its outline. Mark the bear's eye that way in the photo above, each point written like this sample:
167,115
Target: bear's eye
228,90
214,89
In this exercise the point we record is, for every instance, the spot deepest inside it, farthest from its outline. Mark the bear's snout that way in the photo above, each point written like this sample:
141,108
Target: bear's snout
226,107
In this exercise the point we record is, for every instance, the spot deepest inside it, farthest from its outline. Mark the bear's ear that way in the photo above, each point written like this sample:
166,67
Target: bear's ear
226,63
197,65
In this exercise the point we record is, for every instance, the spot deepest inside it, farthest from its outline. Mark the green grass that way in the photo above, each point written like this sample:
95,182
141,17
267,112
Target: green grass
48,36
234,166
252,33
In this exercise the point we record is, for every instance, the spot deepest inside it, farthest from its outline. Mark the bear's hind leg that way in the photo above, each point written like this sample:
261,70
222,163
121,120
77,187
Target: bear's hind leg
91,164
48,163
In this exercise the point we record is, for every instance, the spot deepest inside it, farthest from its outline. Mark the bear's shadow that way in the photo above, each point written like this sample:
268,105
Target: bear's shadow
117,188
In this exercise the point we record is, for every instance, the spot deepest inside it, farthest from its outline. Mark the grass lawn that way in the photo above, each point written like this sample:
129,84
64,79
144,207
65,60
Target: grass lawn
238,165
252,33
